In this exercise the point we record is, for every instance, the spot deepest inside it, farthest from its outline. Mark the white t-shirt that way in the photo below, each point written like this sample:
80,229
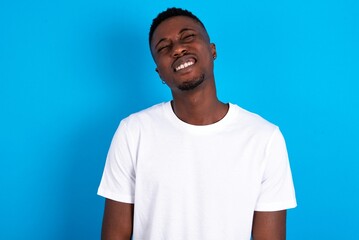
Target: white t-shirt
197,182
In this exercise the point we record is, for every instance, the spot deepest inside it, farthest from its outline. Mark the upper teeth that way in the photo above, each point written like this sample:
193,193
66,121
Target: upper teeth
184,65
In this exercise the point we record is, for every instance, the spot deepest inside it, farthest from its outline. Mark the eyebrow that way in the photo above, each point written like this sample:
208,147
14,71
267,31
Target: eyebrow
181,31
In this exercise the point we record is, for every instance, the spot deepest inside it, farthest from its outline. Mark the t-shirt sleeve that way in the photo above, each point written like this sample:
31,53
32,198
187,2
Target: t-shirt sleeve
118,179
277,189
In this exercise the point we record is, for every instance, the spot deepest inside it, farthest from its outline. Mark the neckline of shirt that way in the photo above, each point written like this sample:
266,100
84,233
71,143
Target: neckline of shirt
199,128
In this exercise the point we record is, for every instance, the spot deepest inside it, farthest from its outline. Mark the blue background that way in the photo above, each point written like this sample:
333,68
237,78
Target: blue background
71,70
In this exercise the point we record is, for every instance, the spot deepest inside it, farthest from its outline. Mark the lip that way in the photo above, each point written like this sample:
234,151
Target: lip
182,60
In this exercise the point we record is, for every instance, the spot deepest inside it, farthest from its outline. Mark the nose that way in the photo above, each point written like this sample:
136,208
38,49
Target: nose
179,50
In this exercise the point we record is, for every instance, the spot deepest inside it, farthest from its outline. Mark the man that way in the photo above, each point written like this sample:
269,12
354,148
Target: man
194,168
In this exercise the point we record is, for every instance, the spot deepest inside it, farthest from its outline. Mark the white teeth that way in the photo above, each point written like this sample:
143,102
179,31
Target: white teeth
184,65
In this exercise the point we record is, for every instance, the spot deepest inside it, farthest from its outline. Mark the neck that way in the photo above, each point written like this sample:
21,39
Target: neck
199,107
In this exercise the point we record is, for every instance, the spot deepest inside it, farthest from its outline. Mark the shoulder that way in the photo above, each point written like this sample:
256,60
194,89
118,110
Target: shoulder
136,123
146,116
253,121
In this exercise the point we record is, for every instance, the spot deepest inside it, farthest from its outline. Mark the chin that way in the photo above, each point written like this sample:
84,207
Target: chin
191,84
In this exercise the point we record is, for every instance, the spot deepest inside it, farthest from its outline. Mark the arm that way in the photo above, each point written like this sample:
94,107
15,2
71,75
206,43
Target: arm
269,225
117,221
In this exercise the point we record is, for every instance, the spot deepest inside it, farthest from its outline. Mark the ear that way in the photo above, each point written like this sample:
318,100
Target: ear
158,72
213,50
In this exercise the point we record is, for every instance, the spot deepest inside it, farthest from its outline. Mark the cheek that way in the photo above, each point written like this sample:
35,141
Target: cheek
160,69
210,52
163,71
163,66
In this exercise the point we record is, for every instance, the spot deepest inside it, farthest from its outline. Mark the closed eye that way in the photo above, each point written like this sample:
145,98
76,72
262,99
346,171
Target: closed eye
188,38
162,48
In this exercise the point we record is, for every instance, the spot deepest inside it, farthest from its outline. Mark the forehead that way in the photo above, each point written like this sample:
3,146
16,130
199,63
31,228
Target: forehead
174,25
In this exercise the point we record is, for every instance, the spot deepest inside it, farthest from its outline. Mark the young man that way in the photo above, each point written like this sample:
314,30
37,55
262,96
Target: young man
194,168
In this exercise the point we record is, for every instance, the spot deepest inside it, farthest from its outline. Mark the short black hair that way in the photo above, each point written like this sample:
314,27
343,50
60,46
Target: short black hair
171,12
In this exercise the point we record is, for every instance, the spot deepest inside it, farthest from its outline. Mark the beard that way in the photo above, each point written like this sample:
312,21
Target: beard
191,84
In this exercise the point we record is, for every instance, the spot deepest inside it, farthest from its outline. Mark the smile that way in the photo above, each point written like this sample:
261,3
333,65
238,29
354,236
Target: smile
184,65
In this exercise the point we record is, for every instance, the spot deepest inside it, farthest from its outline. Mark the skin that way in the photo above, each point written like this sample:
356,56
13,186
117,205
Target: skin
175,41
269,225
117,221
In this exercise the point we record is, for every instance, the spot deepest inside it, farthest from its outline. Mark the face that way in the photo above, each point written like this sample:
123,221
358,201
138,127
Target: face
183,54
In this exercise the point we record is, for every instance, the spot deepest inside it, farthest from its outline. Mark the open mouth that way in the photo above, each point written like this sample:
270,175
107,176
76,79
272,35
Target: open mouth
183,63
